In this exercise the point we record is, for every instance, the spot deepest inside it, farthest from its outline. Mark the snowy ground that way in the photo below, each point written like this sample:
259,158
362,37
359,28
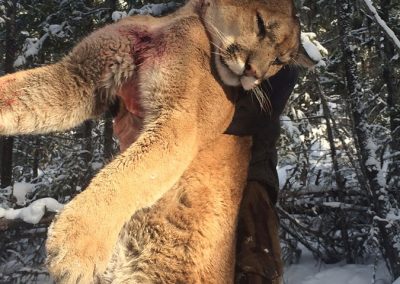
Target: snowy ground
310,271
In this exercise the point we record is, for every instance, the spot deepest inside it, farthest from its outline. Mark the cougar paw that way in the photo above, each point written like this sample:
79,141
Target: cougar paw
76,250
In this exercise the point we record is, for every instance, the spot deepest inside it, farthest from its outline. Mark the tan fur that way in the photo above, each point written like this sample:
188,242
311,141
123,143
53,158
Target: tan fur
181,168
188,235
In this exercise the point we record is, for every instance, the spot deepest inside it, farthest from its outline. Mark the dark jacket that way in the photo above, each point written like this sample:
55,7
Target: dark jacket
250,119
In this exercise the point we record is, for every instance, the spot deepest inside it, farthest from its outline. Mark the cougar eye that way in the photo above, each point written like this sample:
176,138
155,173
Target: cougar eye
261,26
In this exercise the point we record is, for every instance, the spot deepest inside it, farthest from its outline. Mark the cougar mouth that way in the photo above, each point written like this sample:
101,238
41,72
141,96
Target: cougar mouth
227,75
232,73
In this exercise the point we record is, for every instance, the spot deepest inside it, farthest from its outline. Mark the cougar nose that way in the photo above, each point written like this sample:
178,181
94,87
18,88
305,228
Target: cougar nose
251,71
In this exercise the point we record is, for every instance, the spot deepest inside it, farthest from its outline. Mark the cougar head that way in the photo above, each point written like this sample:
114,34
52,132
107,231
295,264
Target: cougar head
252,39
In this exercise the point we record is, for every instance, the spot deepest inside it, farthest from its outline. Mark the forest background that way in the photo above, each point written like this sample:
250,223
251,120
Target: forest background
339,163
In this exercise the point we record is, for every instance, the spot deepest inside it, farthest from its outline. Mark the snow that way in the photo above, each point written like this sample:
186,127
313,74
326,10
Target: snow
393,216
310,271
283,174
397,281
313,48
32,47
347,274
97,166
289,127
20,190
21,60
373,162
54,29
57,30
332,204
32,213
118,15
153,9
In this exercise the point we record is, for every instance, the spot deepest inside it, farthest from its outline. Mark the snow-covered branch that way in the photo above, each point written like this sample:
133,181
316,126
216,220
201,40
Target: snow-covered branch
34,212
383,24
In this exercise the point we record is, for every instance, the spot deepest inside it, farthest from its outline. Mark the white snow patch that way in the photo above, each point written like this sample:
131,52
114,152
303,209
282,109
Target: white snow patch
21,60
153,9
97,166
289,126
54,29
20,190
347,274
283,174
31,47
332,204
34,212
118,15
314,48
393,216
310,271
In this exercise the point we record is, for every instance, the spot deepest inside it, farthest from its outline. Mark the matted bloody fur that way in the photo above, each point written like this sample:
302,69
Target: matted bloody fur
165,209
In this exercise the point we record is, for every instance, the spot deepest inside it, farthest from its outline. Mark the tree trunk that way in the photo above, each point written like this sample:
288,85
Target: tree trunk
340,181
6,145
393,104
345,11
113,5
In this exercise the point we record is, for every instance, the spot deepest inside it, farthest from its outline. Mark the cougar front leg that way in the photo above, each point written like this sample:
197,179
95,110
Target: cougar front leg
82,238
60,96
44,99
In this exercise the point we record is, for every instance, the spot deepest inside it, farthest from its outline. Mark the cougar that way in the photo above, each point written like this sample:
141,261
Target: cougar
165,209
